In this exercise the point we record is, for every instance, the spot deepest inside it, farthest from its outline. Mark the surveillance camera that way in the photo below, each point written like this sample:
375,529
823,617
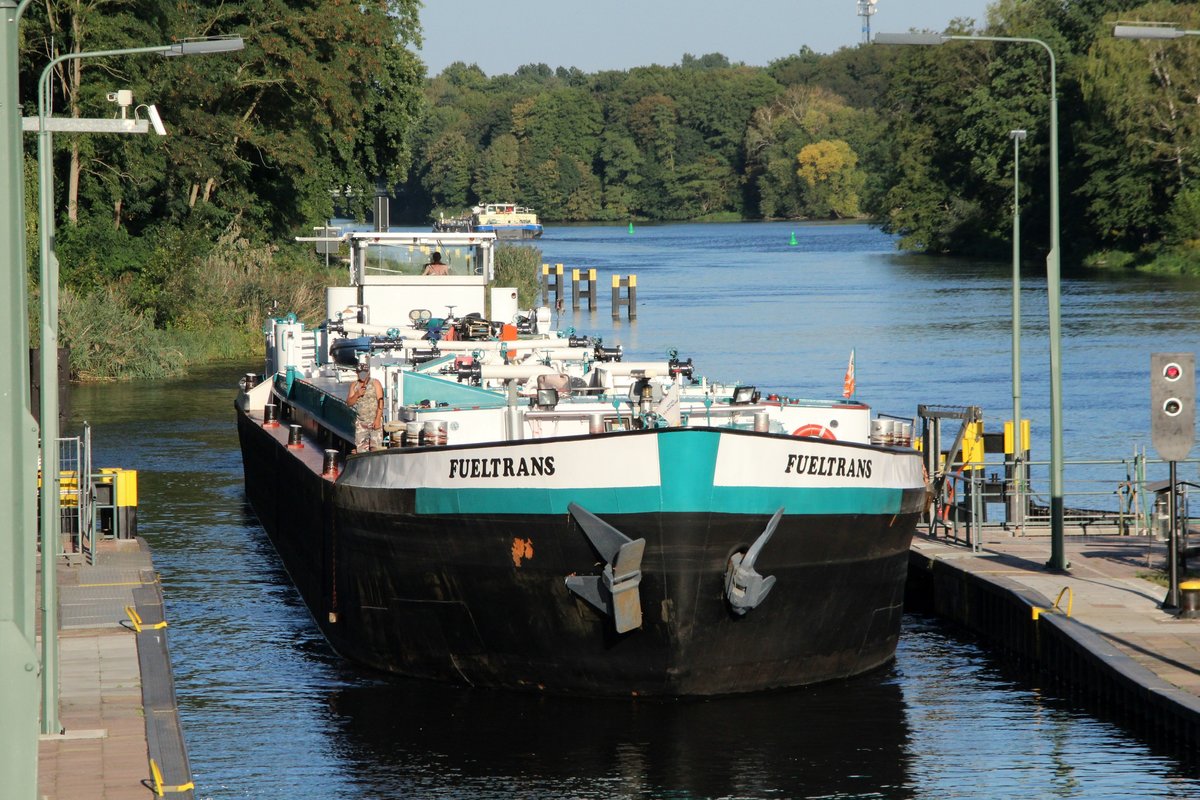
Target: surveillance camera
156,120
112,97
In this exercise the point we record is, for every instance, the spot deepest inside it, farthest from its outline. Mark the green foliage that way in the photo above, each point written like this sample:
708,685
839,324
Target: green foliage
109,340
165,237
496,173
190,301
656,142
830,168
802,118
1182,222
448,172
94,253
323,96
519,266
1143,157
1180,260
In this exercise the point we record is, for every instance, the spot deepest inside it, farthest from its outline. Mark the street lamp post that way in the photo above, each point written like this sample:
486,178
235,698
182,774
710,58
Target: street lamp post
1154,30
1053,281
48,276
1018,506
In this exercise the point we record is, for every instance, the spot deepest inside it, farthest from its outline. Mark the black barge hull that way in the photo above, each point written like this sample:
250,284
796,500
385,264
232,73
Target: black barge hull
482,599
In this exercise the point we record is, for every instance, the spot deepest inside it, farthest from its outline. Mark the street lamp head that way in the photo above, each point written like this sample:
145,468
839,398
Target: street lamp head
1017,135
911,38
1155,30
152,115
205,45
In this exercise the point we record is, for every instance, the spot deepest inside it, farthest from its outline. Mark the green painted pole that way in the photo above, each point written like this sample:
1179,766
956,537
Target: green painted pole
50,500
48,275
1017,486
1058,560
18,532
1016,295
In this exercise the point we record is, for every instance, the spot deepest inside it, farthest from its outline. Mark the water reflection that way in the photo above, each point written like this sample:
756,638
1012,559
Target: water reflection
843,740
269,711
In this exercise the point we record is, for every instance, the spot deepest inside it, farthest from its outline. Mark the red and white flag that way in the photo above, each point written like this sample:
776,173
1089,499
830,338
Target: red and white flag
848,381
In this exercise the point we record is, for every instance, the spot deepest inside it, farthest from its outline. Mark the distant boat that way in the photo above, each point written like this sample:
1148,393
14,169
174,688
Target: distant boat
506,220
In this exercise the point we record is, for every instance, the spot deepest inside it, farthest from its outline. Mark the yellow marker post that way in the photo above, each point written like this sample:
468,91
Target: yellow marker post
1008,436
161,789
972,446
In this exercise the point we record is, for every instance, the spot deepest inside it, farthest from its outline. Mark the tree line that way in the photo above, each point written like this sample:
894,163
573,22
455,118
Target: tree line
329,103
915,138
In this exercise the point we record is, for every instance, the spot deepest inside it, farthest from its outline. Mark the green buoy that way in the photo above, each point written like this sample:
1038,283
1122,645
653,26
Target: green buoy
793,241
631,227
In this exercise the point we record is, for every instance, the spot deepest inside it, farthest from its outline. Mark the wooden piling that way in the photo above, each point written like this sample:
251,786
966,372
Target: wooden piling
588,291
629,283
552,280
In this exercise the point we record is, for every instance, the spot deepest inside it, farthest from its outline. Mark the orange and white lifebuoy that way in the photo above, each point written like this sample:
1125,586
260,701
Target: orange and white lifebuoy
815,431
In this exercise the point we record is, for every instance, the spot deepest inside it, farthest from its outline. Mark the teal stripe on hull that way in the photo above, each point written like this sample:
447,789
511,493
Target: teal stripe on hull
647,499
472,502
687,463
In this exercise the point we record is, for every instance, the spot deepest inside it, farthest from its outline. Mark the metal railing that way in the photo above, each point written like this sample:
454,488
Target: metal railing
76,497
1111,496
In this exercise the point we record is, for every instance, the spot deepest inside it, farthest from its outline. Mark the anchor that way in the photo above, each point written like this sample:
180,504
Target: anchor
615,592
744,587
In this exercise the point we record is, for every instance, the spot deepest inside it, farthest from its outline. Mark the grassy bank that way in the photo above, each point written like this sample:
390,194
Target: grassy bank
179,301
183,301
520,266
1182,259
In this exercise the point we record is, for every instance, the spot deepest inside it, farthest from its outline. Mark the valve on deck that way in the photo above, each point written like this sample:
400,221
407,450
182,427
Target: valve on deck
677,367
603,353
419,355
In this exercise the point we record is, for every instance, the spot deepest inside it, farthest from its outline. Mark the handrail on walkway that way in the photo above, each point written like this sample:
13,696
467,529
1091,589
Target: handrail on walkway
1122,496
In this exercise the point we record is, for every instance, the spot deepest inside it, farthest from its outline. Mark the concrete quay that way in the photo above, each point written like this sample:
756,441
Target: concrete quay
116,689
1097,632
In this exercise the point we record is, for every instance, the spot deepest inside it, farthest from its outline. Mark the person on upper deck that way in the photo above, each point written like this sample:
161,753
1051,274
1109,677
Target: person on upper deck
366,398
435,266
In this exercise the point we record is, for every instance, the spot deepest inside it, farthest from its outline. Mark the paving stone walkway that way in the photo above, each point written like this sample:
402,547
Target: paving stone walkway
102,753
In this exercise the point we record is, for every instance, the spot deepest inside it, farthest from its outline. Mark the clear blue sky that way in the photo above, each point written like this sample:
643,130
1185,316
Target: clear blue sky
501,35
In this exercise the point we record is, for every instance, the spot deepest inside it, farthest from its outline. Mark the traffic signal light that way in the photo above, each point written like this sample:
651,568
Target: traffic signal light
1173,404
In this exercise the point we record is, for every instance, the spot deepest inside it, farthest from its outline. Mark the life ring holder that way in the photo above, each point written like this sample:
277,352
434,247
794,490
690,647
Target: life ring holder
815,431
945,511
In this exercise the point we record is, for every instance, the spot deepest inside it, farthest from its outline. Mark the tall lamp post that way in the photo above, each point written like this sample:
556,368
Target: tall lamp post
1017,137
1053,281
1154,30
48,275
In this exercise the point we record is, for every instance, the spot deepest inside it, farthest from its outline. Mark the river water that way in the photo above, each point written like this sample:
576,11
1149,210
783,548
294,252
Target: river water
269,711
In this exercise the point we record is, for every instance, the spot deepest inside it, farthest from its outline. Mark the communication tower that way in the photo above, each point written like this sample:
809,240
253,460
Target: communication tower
866,8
